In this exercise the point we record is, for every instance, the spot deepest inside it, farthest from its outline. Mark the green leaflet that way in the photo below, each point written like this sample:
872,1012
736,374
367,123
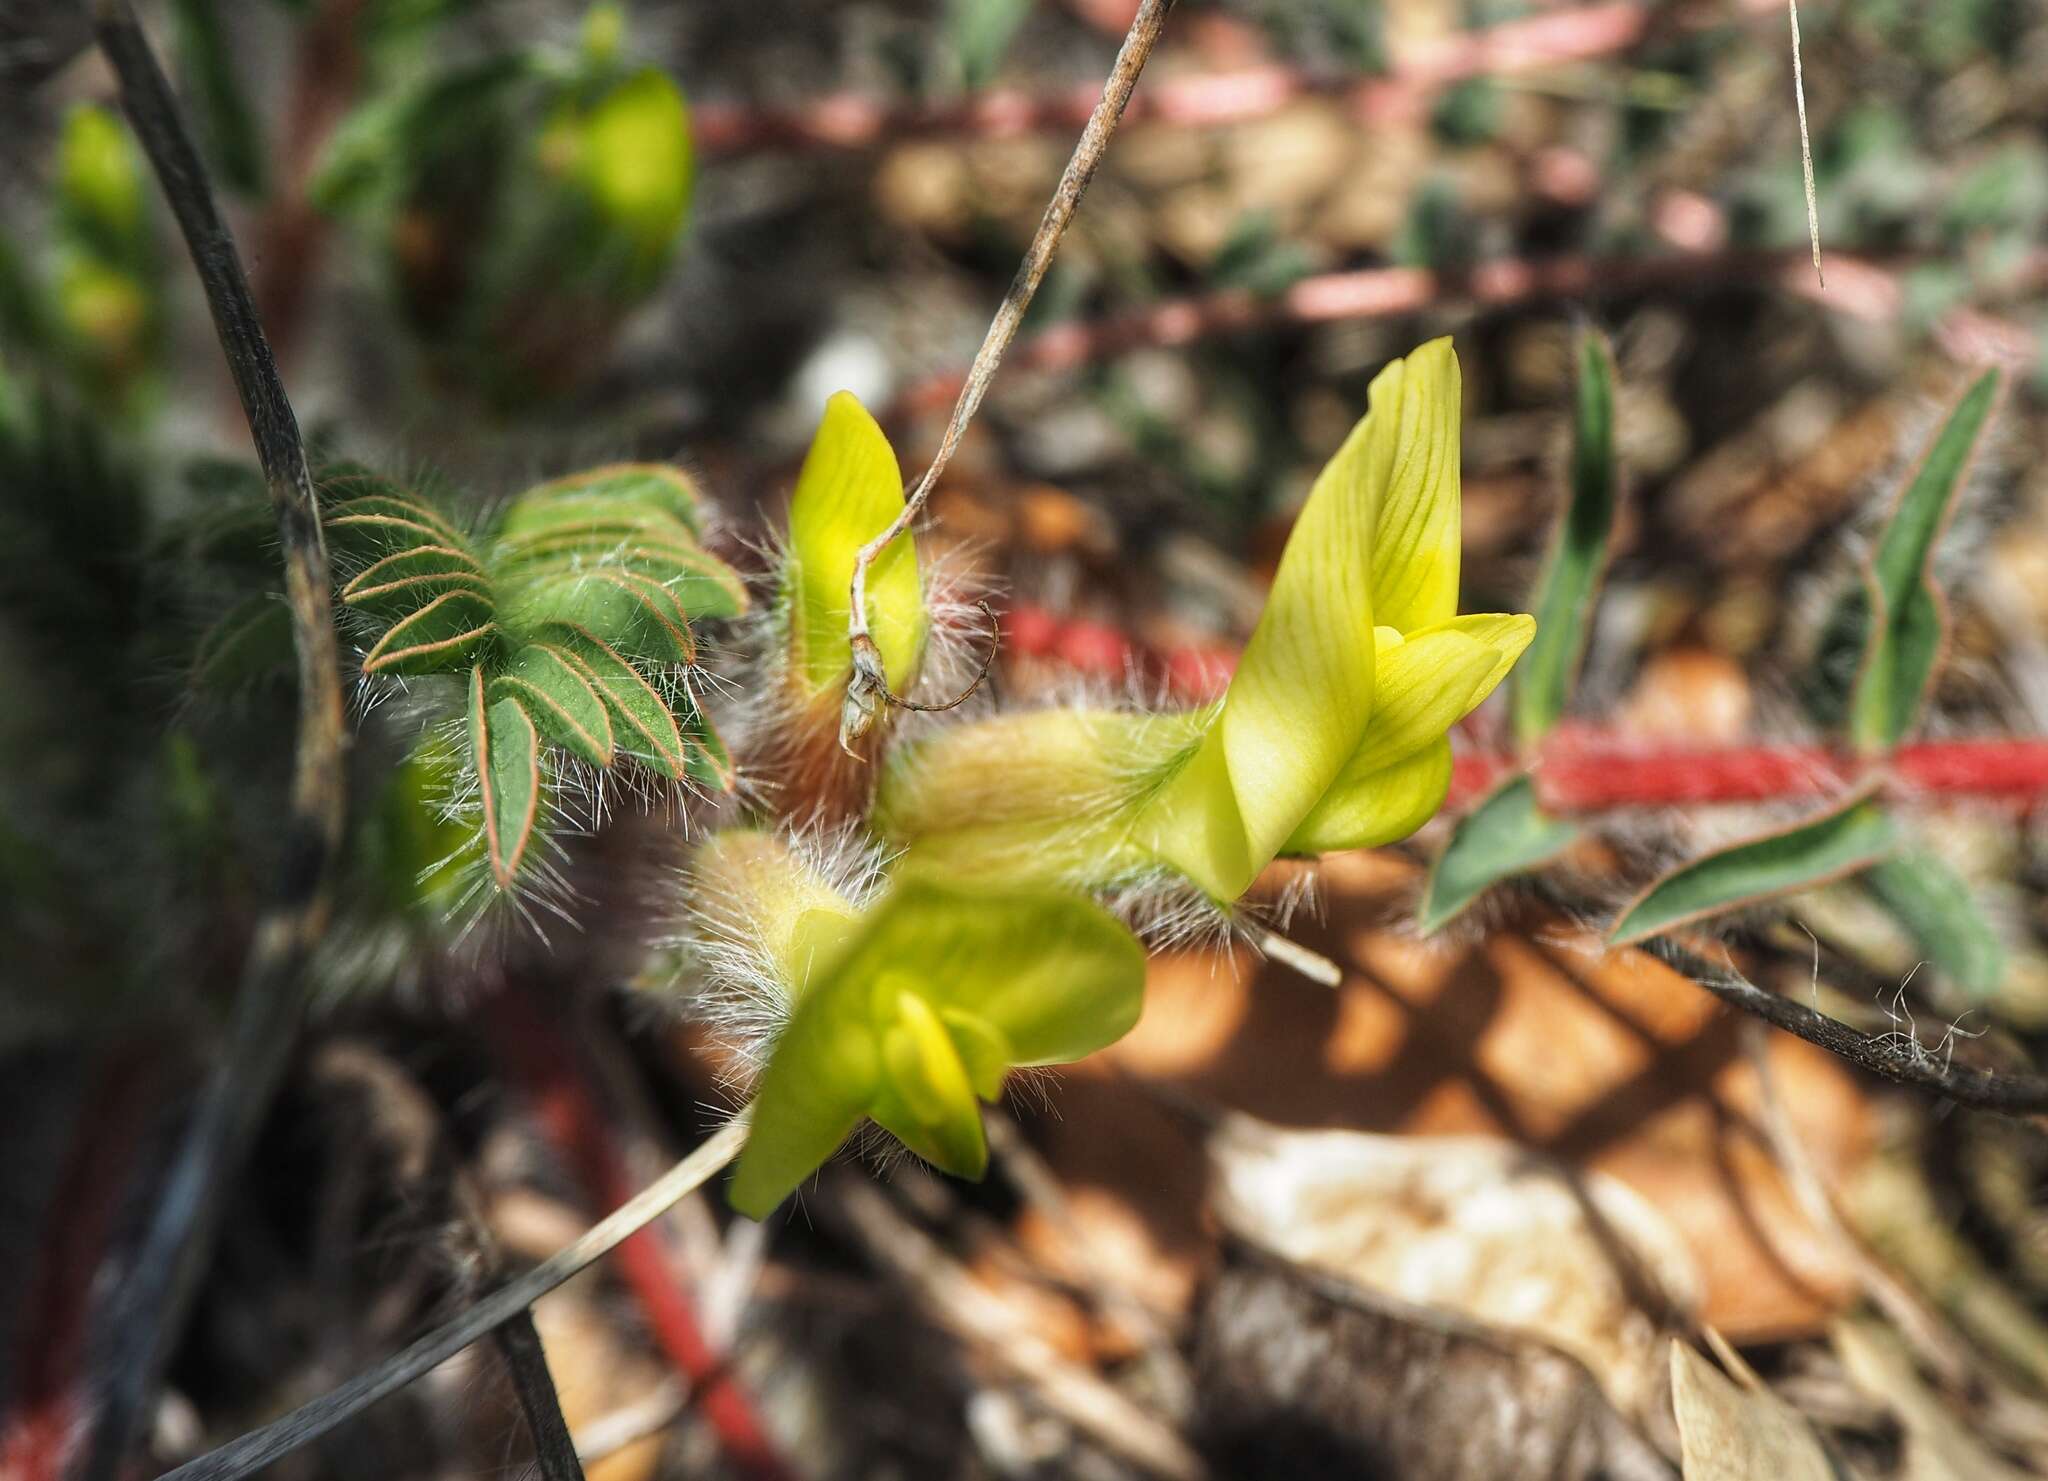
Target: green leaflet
442,635
1937,907
506,746
1504,835
644,727
252,643
1882,642
627,492
1578,557
920,1011
563,700
1848,838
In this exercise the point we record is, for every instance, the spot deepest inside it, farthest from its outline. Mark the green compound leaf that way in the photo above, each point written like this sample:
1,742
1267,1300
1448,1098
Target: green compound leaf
1507,834
709,761
1939,910
848,492
443,636
251,644
620,493
1847,839
563,701
1571,578
505,746
406,580
643,726
934,995
1887,632
631,613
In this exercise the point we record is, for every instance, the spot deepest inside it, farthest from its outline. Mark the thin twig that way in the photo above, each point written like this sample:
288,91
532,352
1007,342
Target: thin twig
158,1292
307,1423
1906,1063
868,680
1805,144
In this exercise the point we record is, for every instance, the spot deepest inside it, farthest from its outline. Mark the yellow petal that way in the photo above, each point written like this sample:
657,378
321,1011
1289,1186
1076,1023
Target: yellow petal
1426,685
1411,429
849,490
927,1101
1378,808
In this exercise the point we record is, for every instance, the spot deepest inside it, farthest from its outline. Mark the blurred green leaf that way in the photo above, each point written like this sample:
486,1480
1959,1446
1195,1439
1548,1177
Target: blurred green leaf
1578,557
1843,841
980,32
1257,257
1905,640
1939,910
1506,834
228,125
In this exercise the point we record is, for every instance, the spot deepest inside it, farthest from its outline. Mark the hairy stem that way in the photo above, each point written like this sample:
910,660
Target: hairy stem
867,683
158,1292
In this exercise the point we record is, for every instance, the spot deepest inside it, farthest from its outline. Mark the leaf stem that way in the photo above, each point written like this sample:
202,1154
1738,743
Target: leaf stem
157,1294
868,680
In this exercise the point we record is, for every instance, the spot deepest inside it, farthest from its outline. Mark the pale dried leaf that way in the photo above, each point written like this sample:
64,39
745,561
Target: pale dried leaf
1730,1434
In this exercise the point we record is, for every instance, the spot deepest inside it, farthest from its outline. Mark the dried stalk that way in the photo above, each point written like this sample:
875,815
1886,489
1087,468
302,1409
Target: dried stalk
867,686
158,1292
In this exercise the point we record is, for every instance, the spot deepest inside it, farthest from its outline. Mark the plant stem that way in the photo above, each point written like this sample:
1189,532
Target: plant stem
307,1423
867,684
158,1292
518,1342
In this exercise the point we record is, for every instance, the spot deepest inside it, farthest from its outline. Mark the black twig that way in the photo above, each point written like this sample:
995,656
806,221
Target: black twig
156,1296
518,1344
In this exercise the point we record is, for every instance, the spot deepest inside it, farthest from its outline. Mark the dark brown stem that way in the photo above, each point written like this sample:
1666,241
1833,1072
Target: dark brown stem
519,1344
158,1292
868,681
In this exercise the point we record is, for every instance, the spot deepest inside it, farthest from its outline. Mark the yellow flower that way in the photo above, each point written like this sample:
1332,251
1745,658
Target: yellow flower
1333,734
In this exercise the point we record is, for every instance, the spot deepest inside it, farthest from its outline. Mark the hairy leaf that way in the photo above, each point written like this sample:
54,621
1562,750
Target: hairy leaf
505,745
555,690
1506,834
1571,578
1842,841
441,637
643,726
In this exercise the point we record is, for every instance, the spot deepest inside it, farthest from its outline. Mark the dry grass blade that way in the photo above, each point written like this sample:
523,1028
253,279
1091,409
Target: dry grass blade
868,681
1805,143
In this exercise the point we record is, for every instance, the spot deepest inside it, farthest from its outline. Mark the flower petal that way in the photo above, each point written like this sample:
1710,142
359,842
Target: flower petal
1411,428
849,491
1378,808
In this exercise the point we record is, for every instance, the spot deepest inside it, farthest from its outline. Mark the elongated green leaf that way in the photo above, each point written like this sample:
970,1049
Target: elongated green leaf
1578,558
441,637
1937,908
1888,632
505,746
643,726
1507,834
562,700
710,762
251,644
1846,839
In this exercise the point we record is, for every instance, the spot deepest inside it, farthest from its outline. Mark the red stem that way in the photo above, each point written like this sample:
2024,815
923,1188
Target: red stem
553,1077
38,1437
1581,770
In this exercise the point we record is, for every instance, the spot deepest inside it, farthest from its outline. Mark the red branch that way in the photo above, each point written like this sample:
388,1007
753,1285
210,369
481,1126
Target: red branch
552,1076
852,121
1581,770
